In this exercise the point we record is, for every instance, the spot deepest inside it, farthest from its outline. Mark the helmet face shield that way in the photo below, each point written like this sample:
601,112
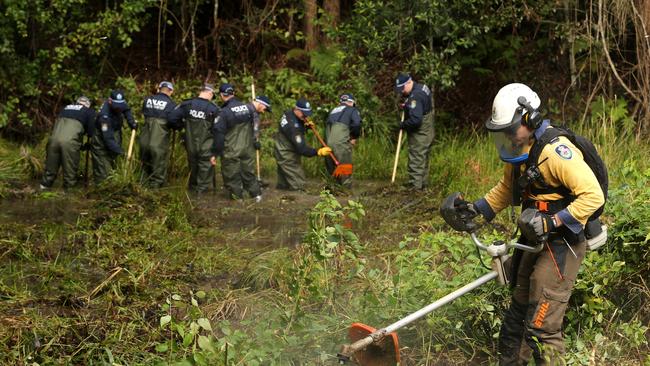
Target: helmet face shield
509,145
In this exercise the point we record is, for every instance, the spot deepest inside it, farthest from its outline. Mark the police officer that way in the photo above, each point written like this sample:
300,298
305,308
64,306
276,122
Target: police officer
107,142
290,146
236,138
556,205
343,130
418,124
154,138
197,116
66,141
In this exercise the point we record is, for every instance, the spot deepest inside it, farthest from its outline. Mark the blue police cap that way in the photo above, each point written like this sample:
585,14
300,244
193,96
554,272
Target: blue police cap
304,106
117,96
347,97
227,89
401,81
264,100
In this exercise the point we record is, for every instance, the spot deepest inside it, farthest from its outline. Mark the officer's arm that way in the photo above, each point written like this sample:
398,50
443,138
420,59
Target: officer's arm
144,106
89,123
355,124
129,117
169,108
499,197
256,123
298,140
219,130
175,117
415,109
574,174
108,135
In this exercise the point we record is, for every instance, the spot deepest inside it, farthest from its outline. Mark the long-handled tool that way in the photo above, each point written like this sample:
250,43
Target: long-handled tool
399,147
257,152
341,169
131,143
86,178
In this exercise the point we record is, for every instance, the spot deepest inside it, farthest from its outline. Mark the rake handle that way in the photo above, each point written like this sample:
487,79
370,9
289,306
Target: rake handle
399,147
131,142
257,152
320,139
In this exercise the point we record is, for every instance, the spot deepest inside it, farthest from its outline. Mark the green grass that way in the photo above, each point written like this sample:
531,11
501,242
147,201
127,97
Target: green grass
95,287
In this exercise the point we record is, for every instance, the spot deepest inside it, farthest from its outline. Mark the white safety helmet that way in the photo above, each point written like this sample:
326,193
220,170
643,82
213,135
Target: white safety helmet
515,104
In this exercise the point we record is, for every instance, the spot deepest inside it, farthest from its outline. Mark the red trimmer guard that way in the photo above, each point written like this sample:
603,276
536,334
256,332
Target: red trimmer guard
384,353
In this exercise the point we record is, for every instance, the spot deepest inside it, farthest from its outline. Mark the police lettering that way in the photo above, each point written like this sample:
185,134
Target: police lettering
74,107
156,104
197,114
239,109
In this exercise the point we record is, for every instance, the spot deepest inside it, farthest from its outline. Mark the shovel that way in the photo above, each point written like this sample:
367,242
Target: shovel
341,169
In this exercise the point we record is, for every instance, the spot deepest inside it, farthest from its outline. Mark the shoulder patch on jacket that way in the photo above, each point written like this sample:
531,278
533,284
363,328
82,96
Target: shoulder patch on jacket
284,121
564,151
104,126
413,104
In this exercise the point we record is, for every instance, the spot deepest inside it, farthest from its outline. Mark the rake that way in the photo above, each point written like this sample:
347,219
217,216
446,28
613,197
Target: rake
341,169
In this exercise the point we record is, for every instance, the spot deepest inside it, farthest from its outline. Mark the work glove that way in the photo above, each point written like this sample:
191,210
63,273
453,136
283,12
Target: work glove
465,207
134,126
324,151
309,124
536,225
85,147
257,145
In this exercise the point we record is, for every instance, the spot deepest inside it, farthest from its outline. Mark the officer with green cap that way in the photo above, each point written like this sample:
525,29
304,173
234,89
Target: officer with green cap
343,130
236,138
418,124
197,116
64,145
290,146
154,138
107,142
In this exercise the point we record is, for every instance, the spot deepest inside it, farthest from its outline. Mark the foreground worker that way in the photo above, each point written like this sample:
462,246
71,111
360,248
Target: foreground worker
236,138
154,137
63,147
107,142
197,116
343,130
290,146
557,203
418,124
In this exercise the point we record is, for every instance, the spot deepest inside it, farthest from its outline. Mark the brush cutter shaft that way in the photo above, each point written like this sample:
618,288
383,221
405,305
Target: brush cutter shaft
362,343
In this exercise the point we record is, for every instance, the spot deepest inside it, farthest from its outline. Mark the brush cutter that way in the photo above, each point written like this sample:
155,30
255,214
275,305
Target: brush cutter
341,169
399,147
381,347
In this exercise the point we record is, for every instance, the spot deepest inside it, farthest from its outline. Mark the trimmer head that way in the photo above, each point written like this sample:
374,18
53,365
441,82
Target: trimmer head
382,353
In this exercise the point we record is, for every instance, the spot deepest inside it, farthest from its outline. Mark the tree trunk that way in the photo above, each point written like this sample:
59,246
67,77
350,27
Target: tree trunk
333,9
311,31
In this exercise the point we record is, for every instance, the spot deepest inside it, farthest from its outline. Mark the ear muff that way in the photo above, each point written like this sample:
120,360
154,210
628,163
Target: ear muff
532,119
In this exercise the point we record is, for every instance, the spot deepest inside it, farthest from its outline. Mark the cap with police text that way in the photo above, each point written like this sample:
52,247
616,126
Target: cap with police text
347,97
227,89
117,96
207,87
401,81
265,101
303,105
166,84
